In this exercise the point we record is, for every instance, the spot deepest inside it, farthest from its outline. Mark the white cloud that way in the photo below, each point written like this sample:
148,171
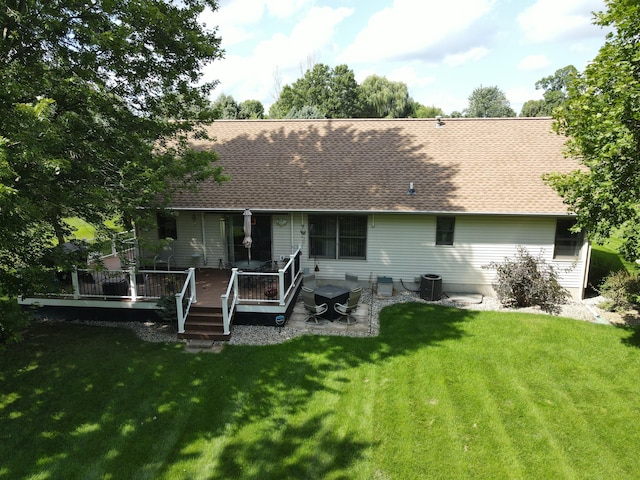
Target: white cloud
253,75
534,62
412,28
549,20
309,37
472,55
411,77
238,19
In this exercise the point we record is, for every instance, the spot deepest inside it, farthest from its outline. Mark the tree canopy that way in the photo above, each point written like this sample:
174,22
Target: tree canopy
556,88
488,102
332,91
384,98
601,118
325,92
97,102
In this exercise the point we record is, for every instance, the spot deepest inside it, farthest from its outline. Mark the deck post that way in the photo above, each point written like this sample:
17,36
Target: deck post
192,286
75,283
281,285
132,282
179,313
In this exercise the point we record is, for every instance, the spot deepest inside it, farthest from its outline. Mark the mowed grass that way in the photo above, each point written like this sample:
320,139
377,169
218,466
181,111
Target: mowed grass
440,394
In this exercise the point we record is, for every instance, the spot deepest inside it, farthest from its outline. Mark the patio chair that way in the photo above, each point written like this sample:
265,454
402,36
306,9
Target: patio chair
165,257
309,281
345,310
314,310
351,281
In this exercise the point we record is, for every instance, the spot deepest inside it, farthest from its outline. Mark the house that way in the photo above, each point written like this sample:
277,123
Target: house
397,198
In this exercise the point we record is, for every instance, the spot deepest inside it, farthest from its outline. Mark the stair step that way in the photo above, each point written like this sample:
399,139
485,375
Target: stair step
198,335
204,323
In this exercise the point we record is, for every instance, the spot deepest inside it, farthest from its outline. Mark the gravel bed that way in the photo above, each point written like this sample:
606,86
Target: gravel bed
585,310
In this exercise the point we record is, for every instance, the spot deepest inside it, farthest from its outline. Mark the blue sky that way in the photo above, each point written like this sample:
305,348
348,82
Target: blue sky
442,49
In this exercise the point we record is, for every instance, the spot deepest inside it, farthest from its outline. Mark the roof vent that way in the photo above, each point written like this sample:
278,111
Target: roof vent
411,191
439,122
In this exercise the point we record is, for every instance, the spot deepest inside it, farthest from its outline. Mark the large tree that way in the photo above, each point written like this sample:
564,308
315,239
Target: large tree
332,91
383,98
556,89
225,107
97,102
601,118
488,102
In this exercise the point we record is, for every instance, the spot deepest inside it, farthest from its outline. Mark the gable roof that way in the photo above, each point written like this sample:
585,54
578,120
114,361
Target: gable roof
485,166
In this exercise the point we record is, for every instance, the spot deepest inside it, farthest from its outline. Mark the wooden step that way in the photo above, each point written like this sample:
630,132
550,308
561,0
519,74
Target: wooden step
204,323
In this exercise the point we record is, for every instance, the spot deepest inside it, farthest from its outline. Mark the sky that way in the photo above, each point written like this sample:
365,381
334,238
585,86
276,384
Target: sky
441,49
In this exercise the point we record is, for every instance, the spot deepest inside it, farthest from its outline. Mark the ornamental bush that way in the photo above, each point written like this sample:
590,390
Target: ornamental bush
621,289
526,281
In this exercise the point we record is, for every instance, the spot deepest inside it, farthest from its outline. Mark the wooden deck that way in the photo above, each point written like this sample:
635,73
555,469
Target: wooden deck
210,285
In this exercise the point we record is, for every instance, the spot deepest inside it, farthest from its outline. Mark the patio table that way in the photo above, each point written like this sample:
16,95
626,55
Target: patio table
331,294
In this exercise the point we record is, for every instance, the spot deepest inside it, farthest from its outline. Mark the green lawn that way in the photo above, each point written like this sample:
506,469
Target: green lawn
440,394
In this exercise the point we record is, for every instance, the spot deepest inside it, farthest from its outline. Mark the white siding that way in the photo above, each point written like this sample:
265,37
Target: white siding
401,246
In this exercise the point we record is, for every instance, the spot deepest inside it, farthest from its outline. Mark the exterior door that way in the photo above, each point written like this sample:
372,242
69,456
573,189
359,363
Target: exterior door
260,236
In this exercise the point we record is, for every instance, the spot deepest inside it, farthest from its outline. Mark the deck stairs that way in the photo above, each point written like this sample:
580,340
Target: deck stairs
204,323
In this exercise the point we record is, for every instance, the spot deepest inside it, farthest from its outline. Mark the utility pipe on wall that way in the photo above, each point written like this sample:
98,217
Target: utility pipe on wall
204,239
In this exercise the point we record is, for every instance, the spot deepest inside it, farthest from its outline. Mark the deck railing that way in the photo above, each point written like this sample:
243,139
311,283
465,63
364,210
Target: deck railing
185,298
264,288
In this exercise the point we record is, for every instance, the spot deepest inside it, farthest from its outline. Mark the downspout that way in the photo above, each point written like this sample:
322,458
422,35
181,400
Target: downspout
204,239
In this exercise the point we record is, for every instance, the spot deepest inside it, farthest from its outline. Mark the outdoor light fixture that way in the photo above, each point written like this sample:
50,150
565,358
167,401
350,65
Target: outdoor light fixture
411,191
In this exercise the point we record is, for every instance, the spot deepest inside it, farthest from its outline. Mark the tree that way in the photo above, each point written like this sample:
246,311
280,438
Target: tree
98,101
251,109
225,107
534,108
306,111
488,102
384,98
555,88
420,111
334,92
601,118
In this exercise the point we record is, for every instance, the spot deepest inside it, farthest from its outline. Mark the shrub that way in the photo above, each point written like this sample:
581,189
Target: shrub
621,289
12,321
526,281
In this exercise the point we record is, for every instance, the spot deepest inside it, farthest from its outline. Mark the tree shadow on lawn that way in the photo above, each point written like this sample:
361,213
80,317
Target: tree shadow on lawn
285,377
91,399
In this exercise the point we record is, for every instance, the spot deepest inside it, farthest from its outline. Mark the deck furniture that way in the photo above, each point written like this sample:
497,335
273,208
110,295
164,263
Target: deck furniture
165,257
331,294
309,281
351,281
345,310
315,310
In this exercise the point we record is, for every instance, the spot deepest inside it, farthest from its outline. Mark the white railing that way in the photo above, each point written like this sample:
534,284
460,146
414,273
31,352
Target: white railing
188,291
247,287
229,310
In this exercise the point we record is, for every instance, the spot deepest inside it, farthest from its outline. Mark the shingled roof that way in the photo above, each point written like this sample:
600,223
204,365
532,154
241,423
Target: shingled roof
485,166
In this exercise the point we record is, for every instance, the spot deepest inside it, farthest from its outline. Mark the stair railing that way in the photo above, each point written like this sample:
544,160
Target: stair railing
229,309
187,293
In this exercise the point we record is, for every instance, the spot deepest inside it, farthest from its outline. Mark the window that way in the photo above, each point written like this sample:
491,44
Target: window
567,243
167,227
445,227
342,236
